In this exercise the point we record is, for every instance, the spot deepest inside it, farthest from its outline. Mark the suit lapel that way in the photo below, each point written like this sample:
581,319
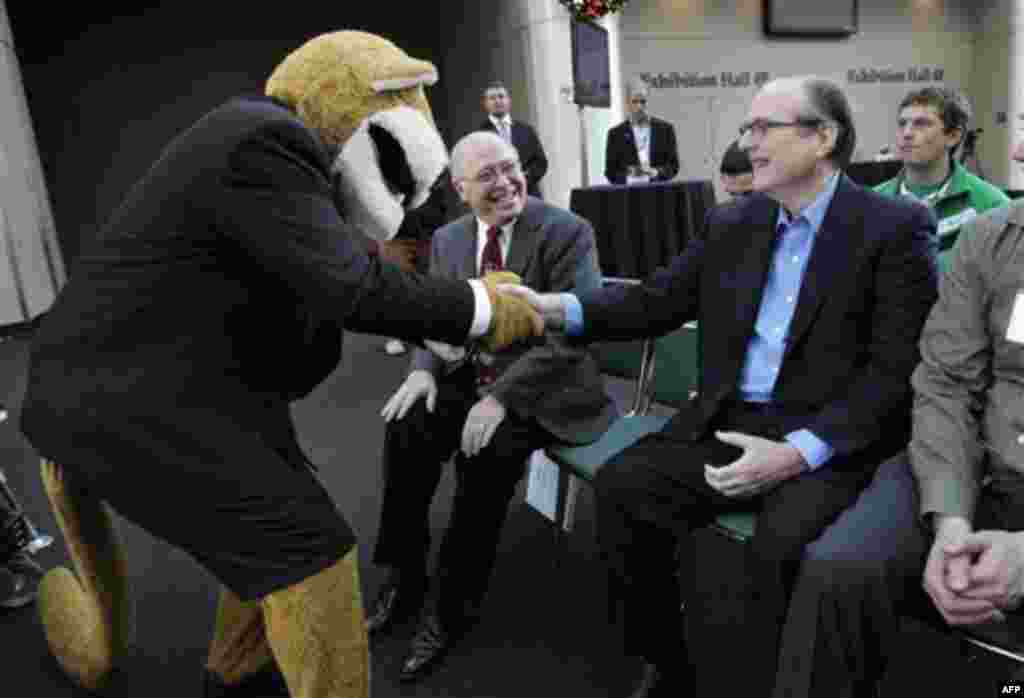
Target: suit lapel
524,239
752,270
466,253
834,247
627,133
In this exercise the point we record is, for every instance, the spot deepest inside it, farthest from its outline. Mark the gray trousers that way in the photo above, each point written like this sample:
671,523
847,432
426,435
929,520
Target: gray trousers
843,619
861,575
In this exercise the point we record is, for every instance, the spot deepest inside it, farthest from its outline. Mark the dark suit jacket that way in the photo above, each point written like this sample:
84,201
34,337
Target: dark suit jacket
222,282
531,153
551,250
620,151
853,342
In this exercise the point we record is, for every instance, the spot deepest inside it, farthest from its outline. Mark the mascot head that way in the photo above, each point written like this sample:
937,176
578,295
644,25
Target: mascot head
364,97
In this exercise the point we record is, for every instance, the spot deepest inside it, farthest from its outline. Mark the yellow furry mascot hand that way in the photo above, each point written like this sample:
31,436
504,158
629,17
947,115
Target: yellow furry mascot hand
513,317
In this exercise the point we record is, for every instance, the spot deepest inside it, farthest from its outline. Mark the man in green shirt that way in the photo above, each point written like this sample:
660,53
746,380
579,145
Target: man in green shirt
931,127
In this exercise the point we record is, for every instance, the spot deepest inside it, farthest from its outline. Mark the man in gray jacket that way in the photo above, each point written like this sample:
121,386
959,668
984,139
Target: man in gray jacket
494,411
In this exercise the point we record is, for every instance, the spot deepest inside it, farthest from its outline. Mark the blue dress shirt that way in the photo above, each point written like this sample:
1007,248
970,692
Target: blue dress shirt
778,303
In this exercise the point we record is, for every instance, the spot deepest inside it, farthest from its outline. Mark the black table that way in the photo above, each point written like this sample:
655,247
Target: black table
872,173
643,226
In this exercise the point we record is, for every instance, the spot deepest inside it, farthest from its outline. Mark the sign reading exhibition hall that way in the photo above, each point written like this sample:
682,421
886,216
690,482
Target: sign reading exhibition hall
740,79
915,74
694,79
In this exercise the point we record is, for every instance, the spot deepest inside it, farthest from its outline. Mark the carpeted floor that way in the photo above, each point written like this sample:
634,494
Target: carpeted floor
545,631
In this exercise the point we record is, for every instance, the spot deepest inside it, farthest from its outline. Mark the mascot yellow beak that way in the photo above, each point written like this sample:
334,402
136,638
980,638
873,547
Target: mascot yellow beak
356,89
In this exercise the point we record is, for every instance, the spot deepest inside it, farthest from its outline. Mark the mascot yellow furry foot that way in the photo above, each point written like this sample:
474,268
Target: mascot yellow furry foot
87,618
293,622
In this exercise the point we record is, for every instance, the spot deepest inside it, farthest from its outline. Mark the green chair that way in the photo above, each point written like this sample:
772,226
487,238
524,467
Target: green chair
665,371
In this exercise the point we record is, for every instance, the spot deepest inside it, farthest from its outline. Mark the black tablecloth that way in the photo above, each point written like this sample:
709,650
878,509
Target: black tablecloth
643,226
870,174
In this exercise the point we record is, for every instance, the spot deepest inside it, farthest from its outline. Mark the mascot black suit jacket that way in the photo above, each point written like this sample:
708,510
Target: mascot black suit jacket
213,297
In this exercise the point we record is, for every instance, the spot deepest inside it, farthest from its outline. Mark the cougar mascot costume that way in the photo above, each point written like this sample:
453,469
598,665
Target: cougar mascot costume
160,380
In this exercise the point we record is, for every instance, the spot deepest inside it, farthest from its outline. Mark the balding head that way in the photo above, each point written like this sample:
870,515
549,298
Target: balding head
821,99
798,132
636,99
475,142
486,174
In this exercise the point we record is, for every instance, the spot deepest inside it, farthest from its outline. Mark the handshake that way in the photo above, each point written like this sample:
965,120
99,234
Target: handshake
517,313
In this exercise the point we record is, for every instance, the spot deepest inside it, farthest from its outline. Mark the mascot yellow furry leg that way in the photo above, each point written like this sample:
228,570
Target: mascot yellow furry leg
87,617
287,626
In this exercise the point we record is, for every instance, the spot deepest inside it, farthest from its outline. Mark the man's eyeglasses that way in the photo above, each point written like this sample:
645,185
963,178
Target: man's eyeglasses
761,127
489,175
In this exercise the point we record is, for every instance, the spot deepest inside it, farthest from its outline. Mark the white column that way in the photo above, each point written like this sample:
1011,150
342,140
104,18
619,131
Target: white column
997,86
31,270
545,39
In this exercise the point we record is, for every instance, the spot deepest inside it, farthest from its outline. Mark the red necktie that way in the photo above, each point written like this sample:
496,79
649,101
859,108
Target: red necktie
491,259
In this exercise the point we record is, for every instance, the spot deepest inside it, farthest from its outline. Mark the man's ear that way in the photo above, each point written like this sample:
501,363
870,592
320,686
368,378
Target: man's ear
830,136
460,189
958,134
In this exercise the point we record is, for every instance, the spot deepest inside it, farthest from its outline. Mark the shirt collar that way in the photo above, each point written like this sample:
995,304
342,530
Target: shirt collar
949,186
815,213
507,120
506,230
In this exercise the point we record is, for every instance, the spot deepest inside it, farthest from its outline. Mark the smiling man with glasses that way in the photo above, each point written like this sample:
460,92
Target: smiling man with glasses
491,411
808,335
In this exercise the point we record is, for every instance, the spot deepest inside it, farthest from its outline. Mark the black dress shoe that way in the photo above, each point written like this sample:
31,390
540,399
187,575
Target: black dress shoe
266,682
399,598
656,683
429,645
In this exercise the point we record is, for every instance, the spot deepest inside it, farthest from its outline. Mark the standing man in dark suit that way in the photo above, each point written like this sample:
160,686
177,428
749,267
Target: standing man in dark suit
520,134
808,336
494,411
642,143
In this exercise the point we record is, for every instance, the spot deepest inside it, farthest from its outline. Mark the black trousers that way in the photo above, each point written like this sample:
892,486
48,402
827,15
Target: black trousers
654,492
415,450
861,576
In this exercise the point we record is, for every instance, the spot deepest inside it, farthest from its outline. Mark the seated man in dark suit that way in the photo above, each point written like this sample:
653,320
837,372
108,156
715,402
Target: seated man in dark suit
642,143
494,411
808,336
949,512
520,134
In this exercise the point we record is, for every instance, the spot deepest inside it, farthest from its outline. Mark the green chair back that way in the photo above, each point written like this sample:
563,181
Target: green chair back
676,366
619,359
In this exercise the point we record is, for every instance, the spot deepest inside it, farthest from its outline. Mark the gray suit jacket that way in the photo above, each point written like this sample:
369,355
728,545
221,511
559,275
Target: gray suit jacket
552,250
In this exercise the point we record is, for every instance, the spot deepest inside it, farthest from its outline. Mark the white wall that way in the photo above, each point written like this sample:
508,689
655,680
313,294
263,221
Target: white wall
527,45
706,38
